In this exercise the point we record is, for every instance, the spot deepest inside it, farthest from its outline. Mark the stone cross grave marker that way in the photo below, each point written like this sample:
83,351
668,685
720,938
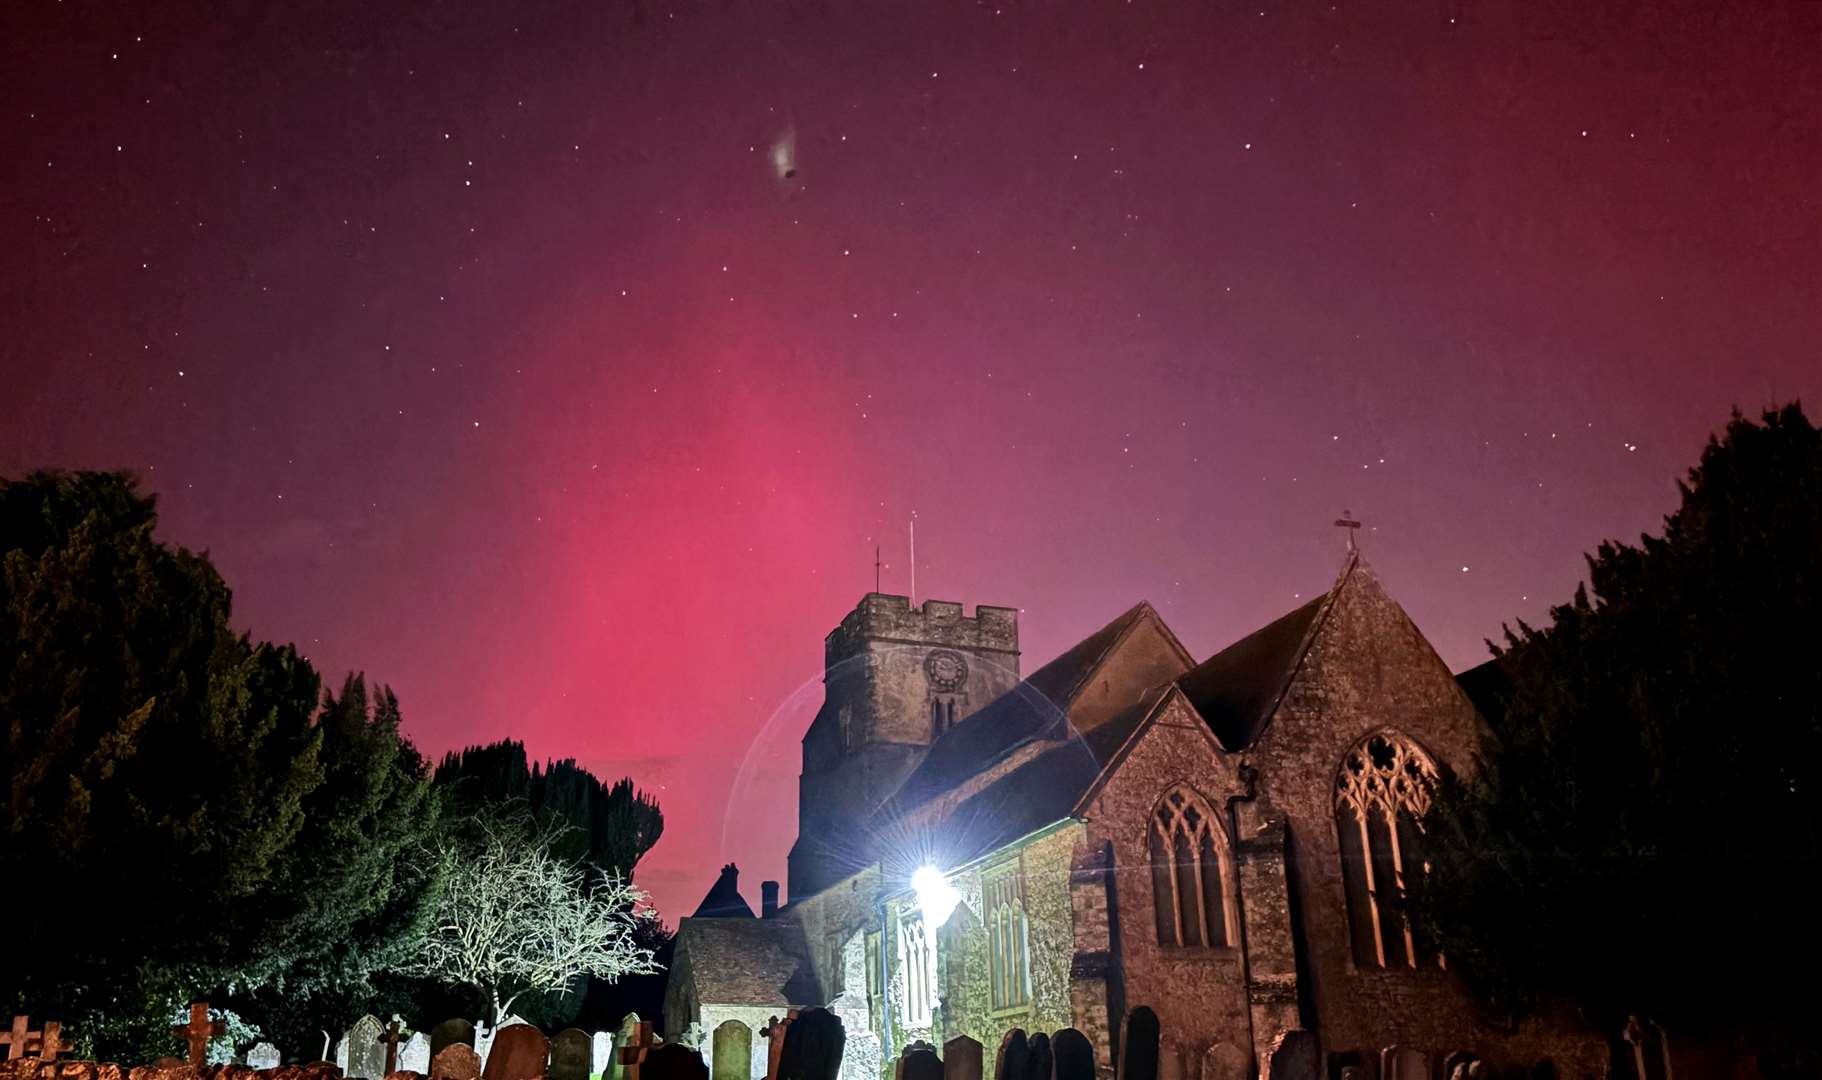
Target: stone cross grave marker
22,1041
601,1055
774,1033
362,1055
1074,1055
457,1061
390,1037
414,1056
571,1051
962,1059
1225,1061
673,1061
520,1052
199,1031
263,1056
1294,1056
450,1032
628,1040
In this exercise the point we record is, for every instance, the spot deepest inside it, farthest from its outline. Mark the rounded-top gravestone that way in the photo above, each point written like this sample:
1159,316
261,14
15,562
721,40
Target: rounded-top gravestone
520,1052
457,1061
450,1032
673,1061
571,1052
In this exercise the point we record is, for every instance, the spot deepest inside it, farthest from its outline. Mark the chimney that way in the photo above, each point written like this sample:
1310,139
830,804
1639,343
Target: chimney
768,899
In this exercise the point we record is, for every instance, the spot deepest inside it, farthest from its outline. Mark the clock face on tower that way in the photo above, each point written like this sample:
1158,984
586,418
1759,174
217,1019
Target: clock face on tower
946,670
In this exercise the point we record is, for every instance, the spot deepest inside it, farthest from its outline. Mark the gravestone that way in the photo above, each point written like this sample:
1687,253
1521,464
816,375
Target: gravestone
1403,1063
450,1032
362,1056
1455,1066
571,1053
691,1036
962,1059
600,1055
919,1062
731,1052
457,1061
1225,1061
1139,1047
1294,1056
263,1056
1014,1053
1038,1062
520,1052
1170,1062
673,1061
1073,1054
813,1044
414,1056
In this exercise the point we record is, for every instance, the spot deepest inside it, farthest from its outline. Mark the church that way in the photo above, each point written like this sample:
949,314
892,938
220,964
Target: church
1222,842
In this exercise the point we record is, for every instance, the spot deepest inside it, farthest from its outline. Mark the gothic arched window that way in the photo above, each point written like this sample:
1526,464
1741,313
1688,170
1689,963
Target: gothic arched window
1190,868
1381,796
1008,940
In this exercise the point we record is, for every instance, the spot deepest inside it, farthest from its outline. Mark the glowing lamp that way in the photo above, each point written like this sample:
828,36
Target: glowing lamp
935,897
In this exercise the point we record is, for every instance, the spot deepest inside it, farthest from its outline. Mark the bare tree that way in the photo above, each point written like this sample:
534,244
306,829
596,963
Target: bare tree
513,918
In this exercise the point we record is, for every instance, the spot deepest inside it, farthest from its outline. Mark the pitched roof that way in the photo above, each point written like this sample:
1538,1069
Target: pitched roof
747,961
723,900
1039,792
1037,708
1237,689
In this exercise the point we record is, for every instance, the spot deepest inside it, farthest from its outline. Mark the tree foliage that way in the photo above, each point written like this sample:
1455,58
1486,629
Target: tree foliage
515,917
187,822
1643,831
612,826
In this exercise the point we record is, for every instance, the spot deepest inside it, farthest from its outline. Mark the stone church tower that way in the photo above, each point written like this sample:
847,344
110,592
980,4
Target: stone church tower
895,678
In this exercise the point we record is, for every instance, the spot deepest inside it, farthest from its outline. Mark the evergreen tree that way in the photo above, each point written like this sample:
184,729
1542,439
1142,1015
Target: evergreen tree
611,826
155,763
190,820
1641,835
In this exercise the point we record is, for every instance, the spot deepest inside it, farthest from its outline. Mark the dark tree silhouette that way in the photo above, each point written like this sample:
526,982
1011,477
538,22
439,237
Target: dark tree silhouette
1643,831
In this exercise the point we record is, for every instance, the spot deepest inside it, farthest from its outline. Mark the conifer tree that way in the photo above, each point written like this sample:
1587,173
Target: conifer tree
1643,833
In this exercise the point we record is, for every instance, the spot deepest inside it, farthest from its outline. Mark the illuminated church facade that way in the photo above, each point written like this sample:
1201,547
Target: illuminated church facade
1222,842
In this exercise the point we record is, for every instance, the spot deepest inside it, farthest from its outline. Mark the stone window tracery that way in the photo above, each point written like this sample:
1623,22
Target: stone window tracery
917,959
1008,940
1191,867
1382,792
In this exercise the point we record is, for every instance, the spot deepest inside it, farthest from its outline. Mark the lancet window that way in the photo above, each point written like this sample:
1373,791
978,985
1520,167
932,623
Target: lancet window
1008,940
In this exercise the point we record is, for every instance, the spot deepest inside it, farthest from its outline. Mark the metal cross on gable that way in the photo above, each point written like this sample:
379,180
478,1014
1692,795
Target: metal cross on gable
1346,521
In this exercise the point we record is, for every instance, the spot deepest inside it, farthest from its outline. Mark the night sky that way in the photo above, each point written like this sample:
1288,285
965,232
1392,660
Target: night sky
485,347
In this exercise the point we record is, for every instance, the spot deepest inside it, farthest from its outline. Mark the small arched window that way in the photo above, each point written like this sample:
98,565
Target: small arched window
1381,795
1191,866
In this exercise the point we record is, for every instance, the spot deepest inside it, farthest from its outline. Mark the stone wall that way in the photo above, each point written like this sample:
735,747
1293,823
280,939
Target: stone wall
1198,993
1368,668
963,946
